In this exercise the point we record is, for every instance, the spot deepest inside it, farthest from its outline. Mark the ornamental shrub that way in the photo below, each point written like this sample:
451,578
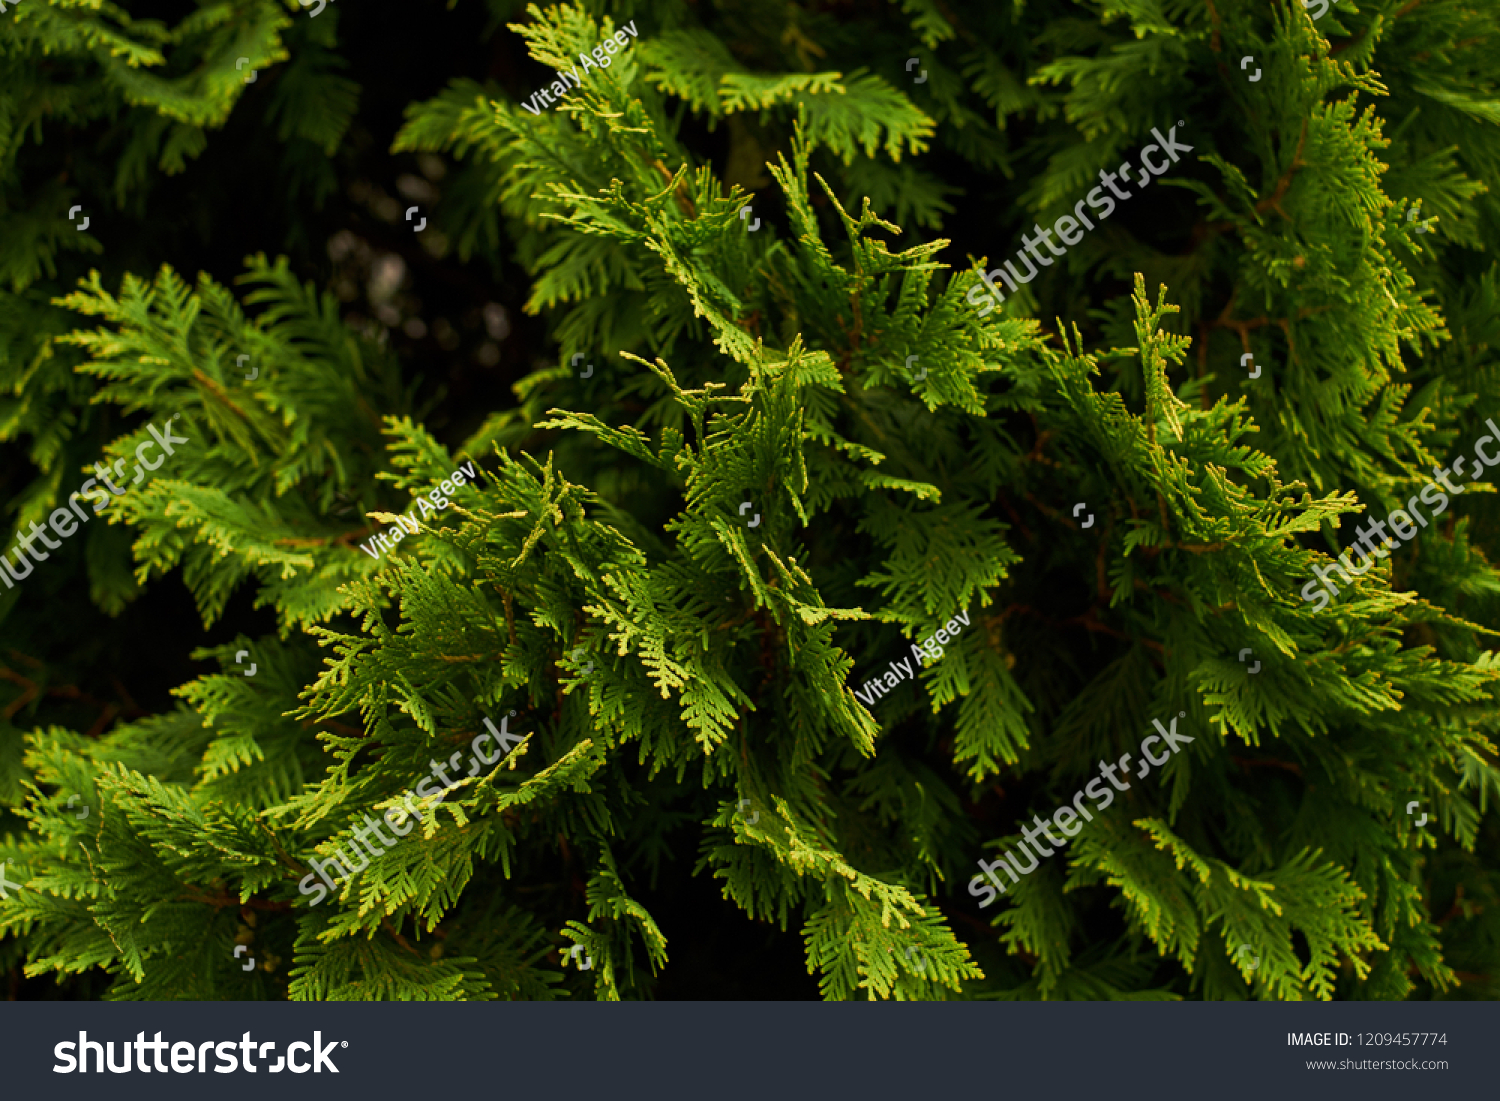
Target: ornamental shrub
755,410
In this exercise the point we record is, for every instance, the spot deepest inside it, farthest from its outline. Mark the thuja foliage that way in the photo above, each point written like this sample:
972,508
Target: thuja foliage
683,674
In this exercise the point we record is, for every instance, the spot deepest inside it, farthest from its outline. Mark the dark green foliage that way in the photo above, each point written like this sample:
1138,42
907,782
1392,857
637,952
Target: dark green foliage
683,681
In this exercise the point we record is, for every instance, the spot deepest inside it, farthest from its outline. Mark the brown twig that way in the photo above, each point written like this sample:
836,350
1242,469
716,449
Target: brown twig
510,613
32,690
1089,621
1273,201
1049,511
320,541
1035,454
1204,231
342,728
737,620
101,723
1248,763
683,200
218,391
1015,516
1161,593
223,898
385,923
